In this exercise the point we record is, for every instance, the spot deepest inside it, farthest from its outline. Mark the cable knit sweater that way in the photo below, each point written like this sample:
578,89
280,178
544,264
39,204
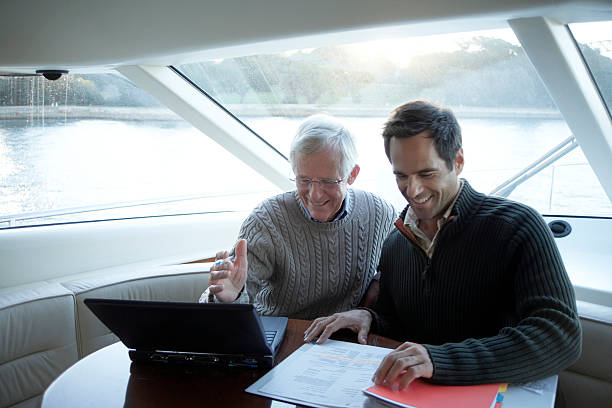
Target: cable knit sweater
304,269
493,304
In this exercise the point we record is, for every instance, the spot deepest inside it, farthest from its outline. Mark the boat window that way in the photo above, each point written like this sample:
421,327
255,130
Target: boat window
508,119
595,42
95,146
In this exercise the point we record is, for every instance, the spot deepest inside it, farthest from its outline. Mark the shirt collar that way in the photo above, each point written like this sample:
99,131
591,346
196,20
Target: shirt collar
411,222
342,212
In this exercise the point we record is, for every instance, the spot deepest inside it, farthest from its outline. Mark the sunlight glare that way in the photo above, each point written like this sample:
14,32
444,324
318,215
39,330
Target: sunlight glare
597,35
402,50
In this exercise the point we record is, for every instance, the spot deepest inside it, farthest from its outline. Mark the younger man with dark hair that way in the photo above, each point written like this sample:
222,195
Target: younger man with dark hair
474,284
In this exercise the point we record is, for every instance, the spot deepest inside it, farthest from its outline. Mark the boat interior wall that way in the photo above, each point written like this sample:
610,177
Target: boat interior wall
44,34
588,383
587,260
44,253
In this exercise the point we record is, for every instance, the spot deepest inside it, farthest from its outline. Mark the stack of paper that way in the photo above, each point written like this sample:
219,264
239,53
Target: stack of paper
332,374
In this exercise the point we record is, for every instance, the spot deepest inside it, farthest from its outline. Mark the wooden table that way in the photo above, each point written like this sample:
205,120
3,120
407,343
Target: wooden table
107,379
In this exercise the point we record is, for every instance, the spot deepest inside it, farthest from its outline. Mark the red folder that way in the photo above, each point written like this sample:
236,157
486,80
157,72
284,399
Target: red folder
424,395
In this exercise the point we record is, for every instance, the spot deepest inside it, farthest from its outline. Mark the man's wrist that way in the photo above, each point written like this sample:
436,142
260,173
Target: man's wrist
370,316
367,316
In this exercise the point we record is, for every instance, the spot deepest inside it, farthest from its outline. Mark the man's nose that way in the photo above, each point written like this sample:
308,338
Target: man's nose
414,187
315,189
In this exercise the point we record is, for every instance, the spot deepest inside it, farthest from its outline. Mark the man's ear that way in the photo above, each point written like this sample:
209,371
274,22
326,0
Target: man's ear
459,161
353,175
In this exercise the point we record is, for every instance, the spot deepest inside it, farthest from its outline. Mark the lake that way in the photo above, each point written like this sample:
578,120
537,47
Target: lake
74,162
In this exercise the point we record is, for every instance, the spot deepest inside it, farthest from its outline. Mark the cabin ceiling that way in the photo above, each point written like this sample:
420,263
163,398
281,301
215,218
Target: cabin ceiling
81,34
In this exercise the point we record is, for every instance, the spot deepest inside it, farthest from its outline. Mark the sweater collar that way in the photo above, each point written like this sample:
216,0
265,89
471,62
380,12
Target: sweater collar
466,203
344,210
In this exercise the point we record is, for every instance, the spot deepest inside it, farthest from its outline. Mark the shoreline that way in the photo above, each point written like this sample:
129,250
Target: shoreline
251,110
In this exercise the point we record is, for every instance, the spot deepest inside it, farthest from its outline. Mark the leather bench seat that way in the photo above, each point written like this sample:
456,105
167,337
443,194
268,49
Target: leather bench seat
181,283
45,327
37,340
588,383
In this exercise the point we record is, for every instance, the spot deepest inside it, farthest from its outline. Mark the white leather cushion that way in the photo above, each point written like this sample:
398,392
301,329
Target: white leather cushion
37,340
167,283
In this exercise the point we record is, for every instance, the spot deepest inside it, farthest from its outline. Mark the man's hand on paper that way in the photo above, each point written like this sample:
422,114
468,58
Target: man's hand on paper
403,365
357,320
228,275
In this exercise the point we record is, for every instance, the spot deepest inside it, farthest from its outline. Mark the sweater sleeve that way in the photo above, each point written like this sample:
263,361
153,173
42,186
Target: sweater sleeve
259,268
384,314
547,337
260,253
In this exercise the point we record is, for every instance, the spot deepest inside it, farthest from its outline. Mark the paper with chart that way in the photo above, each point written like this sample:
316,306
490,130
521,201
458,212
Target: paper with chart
332,374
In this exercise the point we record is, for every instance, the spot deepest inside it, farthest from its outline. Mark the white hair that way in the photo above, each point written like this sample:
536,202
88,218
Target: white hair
319,132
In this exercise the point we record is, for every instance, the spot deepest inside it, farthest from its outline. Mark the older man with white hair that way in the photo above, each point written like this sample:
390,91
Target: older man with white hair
314,250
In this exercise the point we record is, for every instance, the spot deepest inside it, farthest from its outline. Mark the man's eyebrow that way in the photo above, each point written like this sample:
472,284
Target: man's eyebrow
427,170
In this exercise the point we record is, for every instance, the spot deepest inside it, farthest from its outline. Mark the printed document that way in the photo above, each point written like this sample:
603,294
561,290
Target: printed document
332,374
336,373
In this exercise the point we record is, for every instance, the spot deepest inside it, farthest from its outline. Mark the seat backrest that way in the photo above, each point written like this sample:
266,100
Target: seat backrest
588,383
37,340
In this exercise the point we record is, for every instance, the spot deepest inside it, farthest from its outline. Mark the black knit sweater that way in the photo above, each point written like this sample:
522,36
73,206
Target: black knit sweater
494,303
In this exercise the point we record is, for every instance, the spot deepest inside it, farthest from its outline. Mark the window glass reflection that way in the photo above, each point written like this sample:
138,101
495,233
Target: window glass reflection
101,145
595,42
508,118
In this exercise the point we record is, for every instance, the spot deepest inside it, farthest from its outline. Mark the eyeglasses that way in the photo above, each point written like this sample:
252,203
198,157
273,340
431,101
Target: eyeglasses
324,183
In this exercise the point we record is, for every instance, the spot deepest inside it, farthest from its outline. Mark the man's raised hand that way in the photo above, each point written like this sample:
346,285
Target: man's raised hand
228,275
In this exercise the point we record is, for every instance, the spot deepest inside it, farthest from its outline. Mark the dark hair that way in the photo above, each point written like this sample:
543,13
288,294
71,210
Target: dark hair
418,116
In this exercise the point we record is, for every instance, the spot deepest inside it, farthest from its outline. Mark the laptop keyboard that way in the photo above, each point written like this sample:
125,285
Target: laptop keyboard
270,335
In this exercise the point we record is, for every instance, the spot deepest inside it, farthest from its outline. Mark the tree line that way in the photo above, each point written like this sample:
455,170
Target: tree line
483,72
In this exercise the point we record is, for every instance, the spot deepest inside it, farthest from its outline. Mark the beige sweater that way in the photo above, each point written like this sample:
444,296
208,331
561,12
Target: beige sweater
304,269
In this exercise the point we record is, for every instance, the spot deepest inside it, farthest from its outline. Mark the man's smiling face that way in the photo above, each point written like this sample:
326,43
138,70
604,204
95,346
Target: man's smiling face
422,176
322,203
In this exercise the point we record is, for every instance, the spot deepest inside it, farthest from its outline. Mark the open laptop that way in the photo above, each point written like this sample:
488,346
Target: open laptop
192,333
